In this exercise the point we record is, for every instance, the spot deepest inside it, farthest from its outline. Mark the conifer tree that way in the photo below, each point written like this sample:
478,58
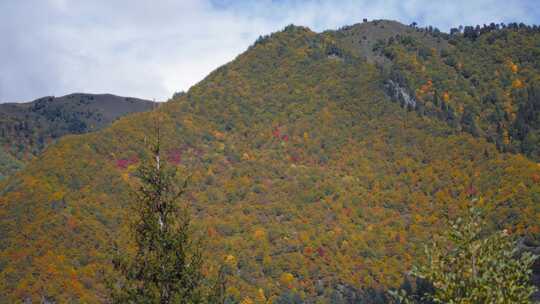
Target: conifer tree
166,265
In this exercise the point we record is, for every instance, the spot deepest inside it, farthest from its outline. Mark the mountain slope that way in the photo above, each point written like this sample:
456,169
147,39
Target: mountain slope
27,128
306,178
484,80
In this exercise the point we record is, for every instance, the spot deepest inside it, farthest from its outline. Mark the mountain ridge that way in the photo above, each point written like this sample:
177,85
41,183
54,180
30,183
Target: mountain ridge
27,128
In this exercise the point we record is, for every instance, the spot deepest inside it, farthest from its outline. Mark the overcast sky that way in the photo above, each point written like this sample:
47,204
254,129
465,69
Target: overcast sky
152,48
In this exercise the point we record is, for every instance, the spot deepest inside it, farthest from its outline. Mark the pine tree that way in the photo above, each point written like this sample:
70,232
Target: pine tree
166,266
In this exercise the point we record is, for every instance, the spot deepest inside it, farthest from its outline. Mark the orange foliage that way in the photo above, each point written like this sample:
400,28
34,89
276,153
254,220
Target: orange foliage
517,84
446,96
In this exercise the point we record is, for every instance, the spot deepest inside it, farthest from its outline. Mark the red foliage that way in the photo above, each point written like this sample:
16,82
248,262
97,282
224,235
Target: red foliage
294,157
198,152
285,137
71,223
123,163
321,252
174,156
471,191
276,133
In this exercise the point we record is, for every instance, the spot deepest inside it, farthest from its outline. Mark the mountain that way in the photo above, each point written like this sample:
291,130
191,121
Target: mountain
27,128
315,175
484,81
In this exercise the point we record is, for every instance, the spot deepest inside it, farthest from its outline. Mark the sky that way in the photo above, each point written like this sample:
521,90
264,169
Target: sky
153,48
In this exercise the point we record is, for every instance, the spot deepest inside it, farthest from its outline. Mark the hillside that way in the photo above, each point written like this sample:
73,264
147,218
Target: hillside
27,128
307,179
484,81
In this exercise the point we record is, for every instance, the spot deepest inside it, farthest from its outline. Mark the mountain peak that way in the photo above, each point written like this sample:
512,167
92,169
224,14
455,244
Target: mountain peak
363,38
27,128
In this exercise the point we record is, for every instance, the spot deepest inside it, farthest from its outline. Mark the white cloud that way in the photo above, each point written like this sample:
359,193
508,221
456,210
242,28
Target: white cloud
151,49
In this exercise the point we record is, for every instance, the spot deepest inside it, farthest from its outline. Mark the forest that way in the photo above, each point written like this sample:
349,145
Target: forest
320,164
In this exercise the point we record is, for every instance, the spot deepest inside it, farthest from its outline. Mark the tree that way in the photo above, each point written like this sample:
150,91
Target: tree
166,266
468,266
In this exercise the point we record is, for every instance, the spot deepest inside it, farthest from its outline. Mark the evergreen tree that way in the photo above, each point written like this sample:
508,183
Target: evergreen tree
166,266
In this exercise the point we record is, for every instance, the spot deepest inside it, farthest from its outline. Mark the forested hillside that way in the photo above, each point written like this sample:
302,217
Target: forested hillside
27,128
308,179
481,80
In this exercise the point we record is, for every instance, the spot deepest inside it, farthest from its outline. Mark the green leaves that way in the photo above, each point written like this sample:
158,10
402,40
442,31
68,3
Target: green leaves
468,266
166,266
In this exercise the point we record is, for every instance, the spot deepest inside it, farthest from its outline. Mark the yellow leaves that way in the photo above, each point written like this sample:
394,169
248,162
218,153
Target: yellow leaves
259,234
58,195
51,269
188,123
267,261
244,181
301,52
303,237
415,62
247,301
348,179
460,109
261,298
197,177
219,135
220,147
125,176
326,116
287,279
30,182
132,167
446,96
229,185
517,84
506,137
233,291
514,68
306,136
230,260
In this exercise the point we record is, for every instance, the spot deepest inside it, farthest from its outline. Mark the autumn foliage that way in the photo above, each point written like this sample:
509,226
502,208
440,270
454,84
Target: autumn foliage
310,182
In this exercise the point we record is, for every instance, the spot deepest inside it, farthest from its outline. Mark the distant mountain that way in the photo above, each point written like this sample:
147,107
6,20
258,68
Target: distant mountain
27,128
320,164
